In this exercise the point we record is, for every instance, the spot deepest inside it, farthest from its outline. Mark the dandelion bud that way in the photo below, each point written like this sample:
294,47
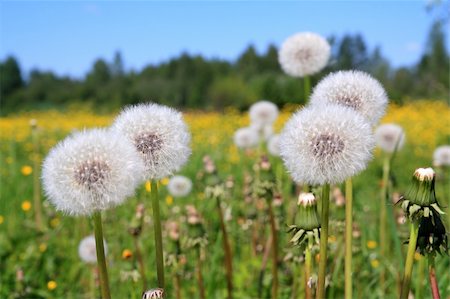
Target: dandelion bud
153,294
308,222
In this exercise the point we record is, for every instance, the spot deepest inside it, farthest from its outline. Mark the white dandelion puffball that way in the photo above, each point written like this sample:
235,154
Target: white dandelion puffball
264,132
441,156
390,137
87,251
263,113
326,144
179,186
273,145
304,54
91,171
246,137
354,89
159,134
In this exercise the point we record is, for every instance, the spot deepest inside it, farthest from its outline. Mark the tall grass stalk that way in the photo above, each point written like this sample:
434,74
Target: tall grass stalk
273,229
227,250
414,230
36,179
383,220
348,238
201,287
308,268
99,246
158,234
323,241
140,260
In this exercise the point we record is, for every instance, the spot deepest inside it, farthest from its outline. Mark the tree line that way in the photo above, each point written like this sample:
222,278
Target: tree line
191,81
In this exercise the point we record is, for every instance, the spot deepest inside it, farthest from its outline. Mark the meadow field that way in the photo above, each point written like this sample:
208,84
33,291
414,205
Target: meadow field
44,263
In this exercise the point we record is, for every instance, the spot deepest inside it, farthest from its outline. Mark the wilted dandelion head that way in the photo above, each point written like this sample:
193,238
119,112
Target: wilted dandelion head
91,171
160,136
87,251
354,89
179,186
273,145
441,156
304,54
326,144
390,137
246,137
263,113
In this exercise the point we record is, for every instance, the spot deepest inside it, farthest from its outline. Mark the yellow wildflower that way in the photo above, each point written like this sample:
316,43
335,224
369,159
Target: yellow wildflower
42,247
148,186
26,205
417,256
126,254
164,181
51,285
169,200
374,263
371,244
54,222
2,219
26,170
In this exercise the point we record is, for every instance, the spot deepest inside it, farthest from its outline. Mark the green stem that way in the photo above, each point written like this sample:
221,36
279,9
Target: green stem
306,87
308,267
140,263
36,182
199,274
419,285
101,261
274,252
323,241
432,275
383,212
348,237
227,249
409,260
158,234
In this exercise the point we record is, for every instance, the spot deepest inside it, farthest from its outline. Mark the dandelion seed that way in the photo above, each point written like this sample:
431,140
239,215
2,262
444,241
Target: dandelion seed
441,156
160,136
326,144
390,137
91,171
354,89
87,250
246,138
304,54
179,186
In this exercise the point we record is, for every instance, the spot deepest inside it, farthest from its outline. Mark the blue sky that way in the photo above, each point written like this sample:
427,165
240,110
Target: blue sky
67,37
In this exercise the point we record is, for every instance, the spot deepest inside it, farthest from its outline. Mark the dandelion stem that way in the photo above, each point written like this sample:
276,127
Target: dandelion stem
36,181
432,275
323,242
409,260
274,251
383,213
158,234
227,249
101,261
308,263
199,274
140,262
306,87
348,237
419,285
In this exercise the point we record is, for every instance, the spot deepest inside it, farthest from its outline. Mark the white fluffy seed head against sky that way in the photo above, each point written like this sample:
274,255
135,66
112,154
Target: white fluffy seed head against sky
304,54
160,136
326,144
390,137
355,89
91,171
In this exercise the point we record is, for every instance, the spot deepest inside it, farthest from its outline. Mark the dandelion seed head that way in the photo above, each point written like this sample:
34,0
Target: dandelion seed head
354,89
326,144
160,136
304,54
179,186
246,138
91,171
441,156
263,113
390,137
87,250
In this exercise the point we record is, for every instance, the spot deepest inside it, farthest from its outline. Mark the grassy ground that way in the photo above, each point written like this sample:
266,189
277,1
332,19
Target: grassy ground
46,264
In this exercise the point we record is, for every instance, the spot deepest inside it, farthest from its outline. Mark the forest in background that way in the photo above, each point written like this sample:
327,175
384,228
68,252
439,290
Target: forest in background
193,82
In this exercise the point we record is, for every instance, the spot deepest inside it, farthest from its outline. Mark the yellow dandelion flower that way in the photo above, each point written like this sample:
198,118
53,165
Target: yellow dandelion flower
126,254
164,181
169,200
2,219
375,263
51,285
148,186
54,222
26,170
371,244
26,205
42,247
417,256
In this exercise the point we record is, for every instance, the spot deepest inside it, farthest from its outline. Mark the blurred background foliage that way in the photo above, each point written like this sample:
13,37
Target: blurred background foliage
191,81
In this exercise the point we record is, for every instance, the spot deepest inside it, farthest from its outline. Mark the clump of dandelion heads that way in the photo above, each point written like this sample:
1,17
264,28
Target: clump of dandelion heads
390,137
354,89
246,138
87,251
304,54
441,156
326,144
273,145
91,171
160,136
179,186
263,113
